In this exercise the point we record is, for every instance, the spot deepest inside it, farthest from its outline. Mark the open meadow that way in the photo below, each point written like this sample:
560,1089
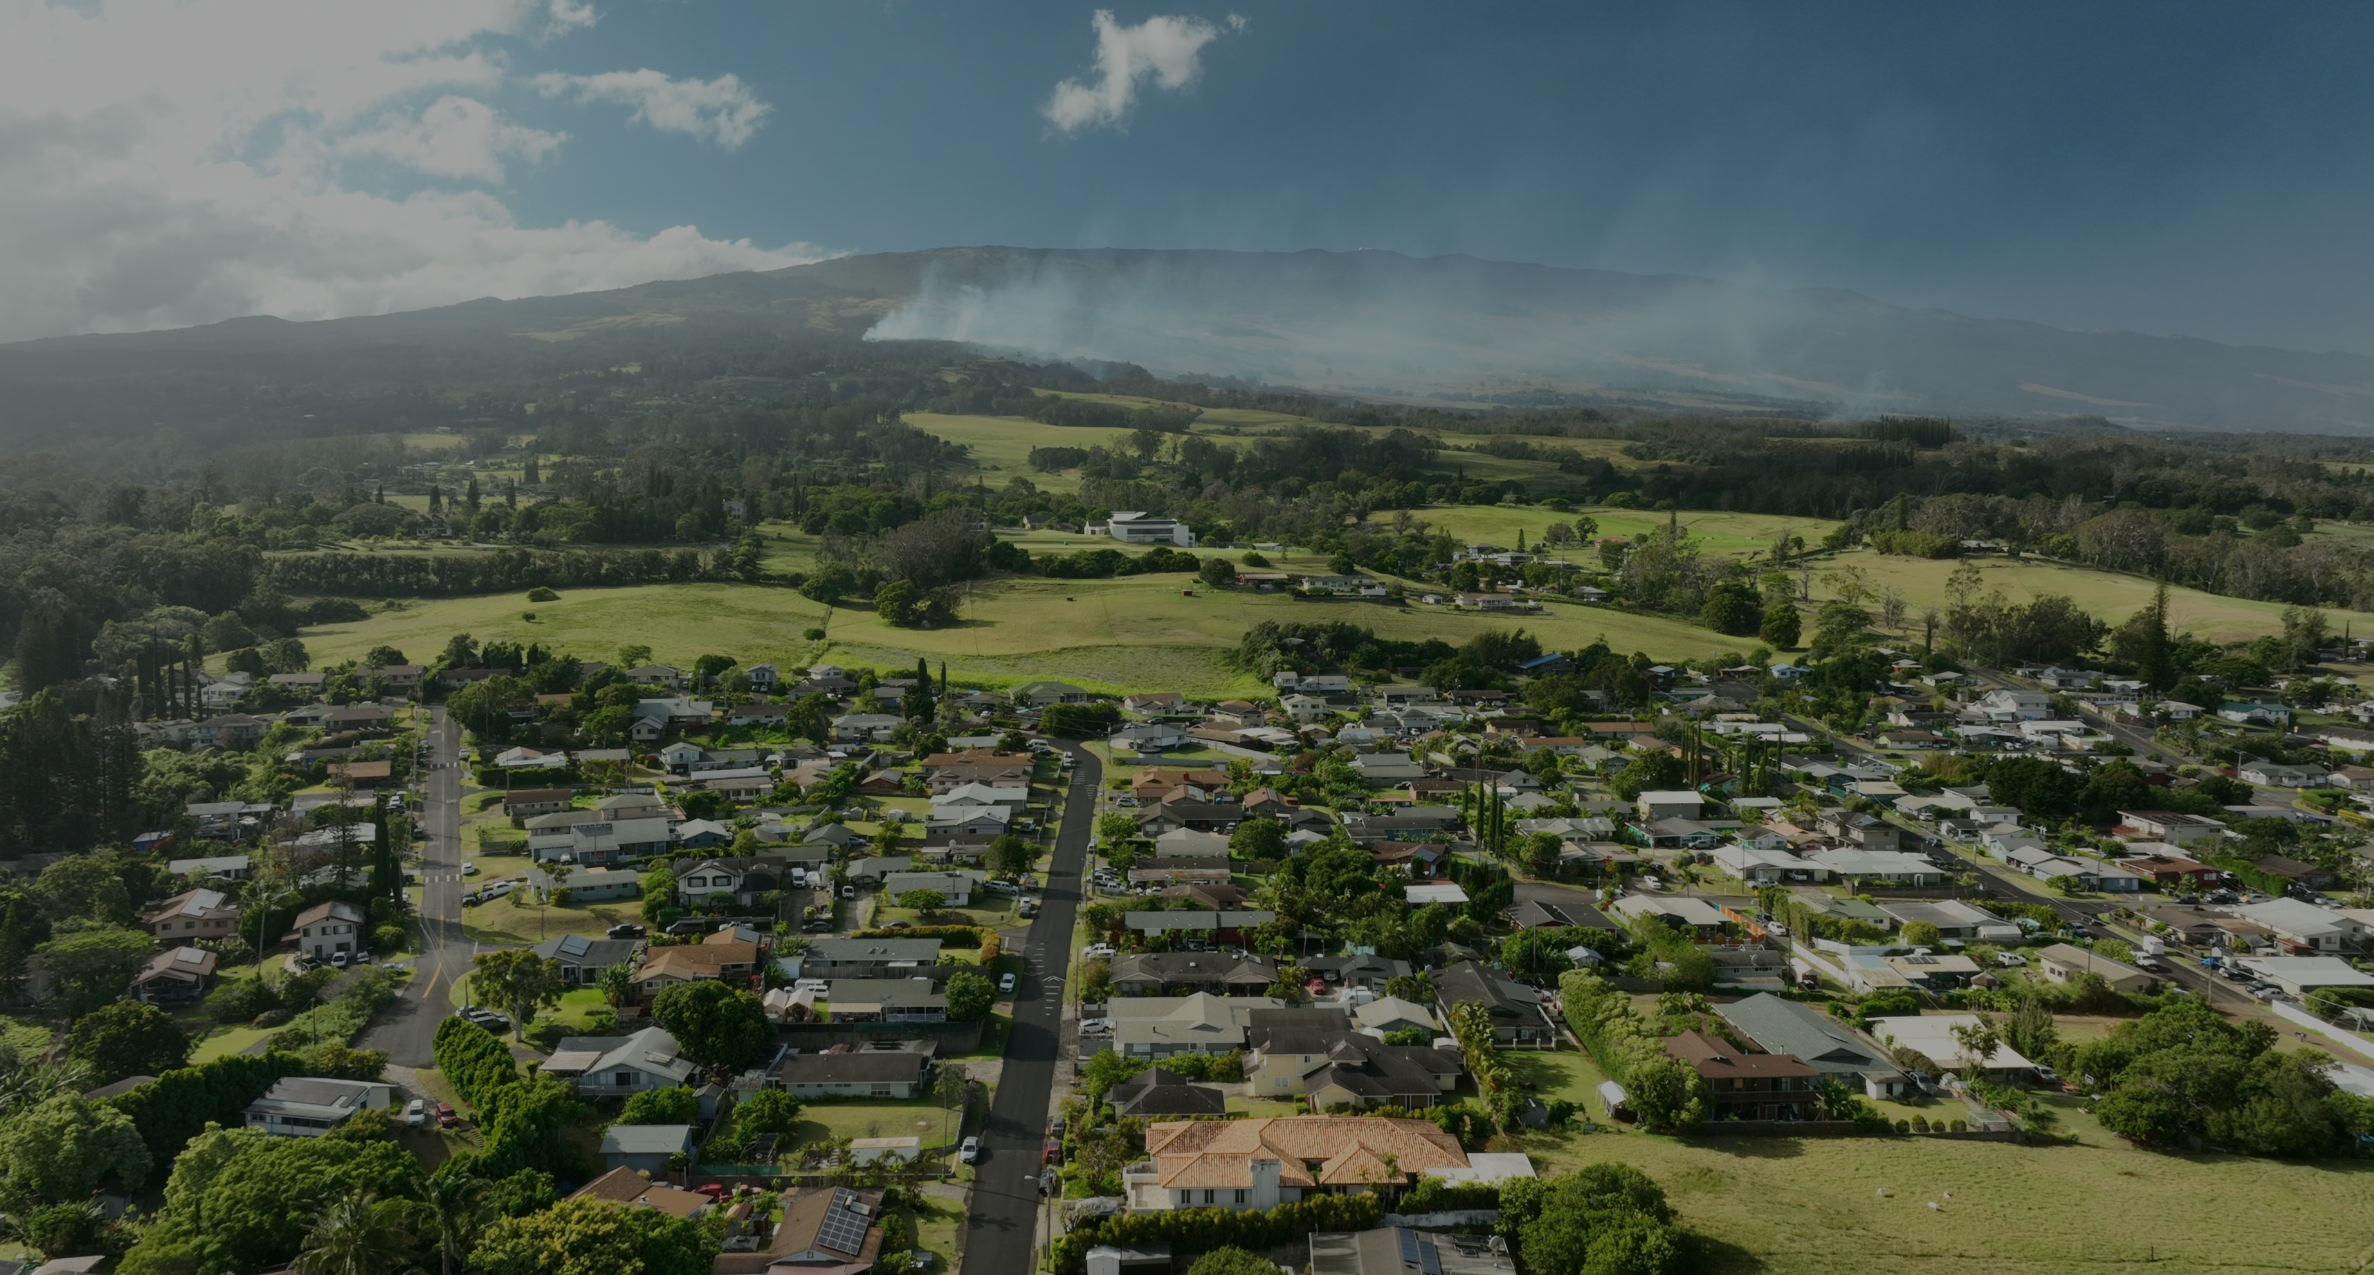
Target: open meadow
2109,594
1813,1206
1128,633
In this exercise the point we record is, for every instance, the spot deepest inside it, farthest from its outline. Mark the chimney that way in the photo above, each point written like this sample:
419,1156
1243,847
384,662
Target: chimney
1265,1183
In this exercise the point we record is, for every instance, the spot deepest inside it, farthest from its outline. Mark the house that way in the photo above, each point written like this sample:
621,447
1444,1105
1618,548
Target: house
601,842
955,888
869,958
1211,927
2267,774
703,834
1197,1023
886,1000
742,879
968,821
175,976
864,1075
1857,867
1765,867
309,1106
1868,832
1179,973
527,803
1389,1014
397,677
1746,1086
1953,918
645,1148
1045,694
1537,914
1932,1036
2157,862
2063,963
1386,770
1156,703
588,885
1260,1164
583,960
719,957
1337,1069
1012,796
2303,928
2168,826
1156,1092
1824,1044
2296,872
325,929
620,1066
2300,975
225,867
827,1230
1398,1250
1941,973
667,675
1363,970
862,728
192,915
2012,705
1681,804
1517,1018
627,1188
1683,913
1187,843
1136,528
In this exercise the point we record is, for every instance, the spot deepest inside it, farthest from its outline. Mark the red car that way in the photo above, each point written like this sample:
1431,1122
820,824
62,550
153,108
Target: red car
1054,1152
446,1119
714,1190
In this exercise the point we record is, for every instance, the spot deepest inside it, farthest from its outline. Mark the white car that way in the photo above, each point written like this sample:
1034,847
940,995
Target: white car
1098,949
1006,983
416,1113
969,1151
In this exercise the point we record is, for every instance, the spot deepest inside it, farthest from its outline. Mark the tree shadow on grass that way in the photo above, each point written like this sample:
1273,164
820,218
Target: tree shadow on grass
1752,1148
1709,1256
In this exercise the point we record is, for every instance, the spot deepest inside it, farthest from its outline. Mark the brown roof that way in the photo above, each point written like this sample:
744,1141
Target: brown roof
1158,777
626,1186
539,796
976,757
1310,1150
362,769
1711,1058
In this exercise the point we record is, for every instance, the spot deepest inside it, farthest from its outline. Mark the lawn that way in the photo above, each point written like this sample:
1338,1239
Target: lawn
1812,1206
1724,533
936,1223
2107,594
916,1117
224,1042
1567,1073
1000,445
1125,634
510,920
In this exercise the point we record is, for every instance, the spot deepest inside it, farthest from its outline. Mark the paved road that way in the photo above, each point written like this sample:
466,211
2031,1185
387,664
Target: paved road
408,1030
1002,1229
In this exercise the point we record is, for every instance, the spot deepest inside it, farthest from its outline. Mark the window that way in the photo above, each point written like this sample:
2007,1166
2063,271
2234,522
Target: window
1240,1195
1207,1197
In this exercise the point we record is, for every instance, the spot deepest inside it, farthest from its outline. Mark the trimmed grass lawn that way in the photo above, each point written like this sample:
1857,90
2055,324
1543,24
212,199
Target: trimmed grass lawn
1715,532
511,920
917,1117
223,1042
2107,594
1567,1073
1811,1206
936,1223
29,1039
1253,1109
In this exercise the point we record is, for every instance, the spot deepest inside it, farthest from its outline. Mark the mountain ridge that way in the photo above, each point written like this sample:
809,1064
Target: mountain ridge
1373,322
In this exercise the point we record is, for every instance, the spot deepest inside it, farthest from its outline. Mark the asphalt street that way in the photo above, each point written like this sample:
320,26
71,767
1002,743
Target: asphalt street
1002,1228
408,1029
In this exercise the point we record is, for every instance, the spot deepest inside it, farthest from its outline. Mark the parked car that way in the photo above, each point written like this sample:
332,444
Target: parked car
446,1118
817,927
627,930
969,1151
1006,983
416,1113
340,960
1097,949
1002,887
469,869
1054,1151
848,892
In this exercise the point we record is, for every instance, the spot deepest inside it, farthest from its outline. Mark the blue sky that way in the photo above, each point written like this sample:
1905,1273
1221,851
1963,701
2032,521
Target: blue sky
2164,167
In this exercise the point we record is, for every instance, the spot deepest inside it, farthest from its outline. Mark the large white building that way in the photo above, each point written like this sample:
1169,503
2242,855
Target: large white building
1132,527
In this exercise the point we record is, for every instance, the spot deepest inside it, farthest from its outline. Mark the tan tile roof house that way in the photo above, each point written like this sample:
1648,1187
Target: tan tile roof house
1258,1164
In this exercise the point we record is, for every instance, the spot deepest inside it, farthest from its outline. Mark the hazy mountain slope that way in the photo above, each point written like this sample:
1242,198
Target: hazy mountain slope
1370,322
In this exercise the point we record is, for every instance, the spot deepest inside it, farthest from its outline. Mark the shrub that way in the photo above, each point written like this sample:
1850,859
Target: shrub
542,594
662,1106
1191,1231
474,1062
1904,1126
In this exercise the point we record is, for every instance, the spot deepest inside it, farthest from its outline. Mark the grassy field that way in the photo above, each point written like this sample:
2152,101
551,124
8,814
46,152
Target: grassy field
2107,594
511,919
223,1042
1001,444
919,1118
1130,633
1723,533
1812,1206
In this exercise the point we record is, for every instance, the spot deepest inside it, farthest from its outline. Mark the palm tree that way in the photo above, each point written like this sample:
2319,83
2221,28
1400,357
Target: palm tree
456,1207
358,1234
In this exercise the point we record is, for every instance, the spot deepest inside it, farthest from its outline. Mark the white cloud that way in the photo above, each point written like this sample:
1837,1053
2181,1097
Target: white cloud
458,137
167,162
1165,49
723,110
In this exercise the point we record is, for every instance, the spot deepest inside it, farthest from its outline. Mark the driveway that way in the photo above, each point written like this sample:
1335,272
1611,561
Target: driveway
408,1029
1003,1226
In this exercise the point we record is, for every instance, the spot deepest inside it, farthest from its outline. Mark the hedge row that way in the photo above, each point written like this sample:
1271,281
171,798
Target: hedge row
177,1106
474,1061
1191,1231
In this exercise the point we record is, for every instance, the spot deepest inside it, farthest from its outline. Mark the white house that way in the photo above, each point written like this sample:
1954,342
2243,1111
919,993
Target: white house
619,1066
1136,528
308,1106
1677,804
955,888
326,929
